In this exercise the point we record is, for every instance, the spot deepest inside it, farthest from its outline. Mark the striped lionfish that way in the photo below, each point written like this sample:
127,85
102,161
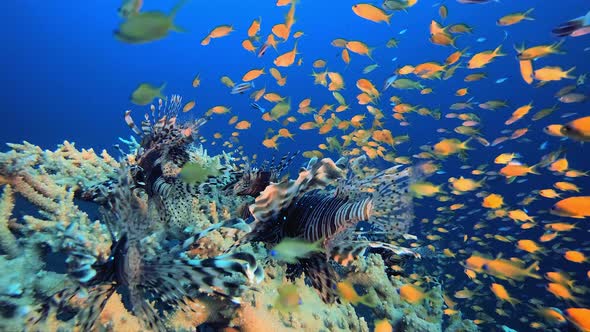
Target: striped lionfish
166,146
157,159
163,147
304,208
168,277
254,180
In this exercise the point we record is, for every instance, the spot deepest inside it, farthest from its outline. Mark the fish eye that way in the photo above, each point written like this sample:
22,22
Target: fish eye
273,253
485,267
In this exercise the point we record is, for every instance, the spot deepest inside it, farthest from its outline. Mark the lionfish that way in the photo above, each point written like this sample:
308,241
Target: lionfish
254,180
304,208
167,277
163,149
164,146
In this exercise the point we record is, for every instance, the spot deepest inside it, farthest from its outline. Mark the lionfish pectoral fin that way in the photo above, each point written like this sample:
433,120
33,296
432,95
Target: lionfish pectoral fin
321,275
343,254
98,296
392,205
141,308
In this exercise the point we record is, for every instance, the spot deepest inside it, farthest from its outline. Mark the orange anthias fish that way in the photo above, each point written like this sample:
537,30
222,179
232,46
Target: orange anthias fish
371,13
348,293
526,70
286,59
511,19
578,129
481,59
411,293
514,169
580,317
519,113
573,207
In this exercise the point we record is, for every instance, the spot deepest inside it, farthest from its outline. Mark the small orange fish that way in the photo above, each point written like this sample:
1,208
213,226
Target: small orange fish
371,13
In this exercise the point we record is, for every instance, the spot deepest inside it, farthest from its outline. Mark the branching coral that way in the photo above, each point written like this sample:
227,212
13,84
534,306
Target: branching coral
8,243
50,181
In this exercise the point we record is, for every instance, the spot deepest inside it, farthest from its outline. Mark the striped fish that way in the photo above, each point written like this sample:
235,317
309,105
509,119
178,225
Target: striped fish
254,180
168,278
307,209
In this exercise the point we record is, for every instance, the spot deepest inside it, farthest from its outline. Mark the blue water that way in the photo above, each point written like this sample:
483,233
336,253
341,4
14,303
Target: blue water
65,77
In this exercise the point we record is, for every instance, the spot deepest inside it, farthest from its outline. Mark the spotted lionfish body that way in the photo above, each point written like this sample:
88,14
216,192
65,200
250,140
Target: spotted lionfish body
306,209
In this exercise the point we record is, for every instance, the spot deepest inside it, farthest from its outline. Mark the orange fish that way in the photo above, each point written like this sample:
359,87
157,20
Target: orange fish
371,13
286,59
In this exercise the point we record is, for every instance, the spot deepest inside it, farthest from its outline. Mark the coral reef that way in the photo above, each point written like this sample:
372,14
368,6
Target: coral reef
169,254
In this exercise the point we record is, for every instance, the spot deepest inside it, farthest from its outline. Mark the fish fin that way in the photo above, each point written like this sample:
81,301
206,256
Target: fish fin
346,252
98,297
159,94
176,8
533,267
533,170
392,205
321,275
177,28
206,275
370,299
279,196
141,308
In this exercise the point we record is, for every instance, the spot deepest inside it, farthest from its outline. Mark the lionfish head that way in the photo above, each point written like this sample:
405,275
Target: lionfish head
253,182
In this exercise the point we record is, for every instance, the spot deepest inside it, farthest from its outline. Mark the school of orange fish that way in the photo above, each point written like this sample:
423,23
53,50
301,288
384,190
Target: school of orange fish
473,219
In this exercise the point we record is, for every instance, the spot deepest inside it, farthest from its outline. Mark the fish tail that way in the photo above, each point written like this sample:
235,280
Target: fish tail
569,71
160,89
527,13
555,47
533,169
176,8
370,299
464,145
388,19
173,13
530,269
498,51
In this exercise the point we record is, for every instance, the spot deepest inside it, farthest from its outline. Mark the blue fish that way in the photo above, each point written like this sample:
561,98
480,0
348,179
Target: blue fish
543,145
403,31
257,107
501,80
481,39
